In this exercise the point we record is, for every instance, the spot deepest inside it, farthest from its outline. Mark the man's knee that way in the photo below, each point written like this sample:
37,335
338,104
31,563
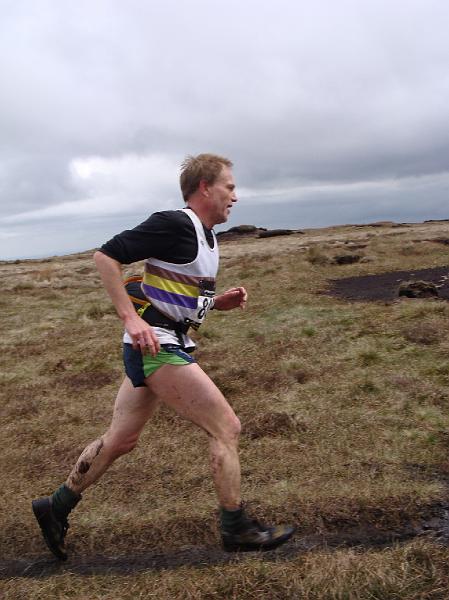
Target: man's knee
231,431
117,446
236,427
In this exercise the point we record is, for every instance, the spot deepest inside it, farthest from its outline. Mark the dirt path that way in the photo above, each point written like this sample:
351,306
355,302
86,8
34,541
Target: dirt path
436,526
385,285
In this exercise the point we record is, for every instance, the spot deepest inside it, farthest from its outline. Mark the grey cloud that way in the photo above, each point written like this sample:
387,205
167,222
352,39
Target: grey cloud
26,179
297,94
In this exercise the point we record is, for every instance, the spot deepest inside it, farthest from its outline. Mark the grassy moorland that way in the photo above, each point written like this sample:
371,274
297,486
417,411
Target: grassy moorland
345,419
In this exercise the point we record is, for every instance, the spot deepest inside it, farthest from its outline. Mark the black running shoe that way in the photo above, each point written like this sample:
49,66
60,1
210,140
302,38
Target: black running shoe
53,529
252,535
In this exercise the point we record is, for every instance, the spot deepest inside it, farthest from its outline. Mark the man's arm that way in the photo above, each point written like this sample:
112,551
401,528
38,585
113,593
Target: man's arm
141,333
233,298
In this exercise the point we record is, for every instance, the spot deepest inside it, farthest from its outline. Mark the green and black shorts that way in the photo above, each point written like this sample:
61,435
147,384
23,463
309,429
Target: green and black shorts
138,366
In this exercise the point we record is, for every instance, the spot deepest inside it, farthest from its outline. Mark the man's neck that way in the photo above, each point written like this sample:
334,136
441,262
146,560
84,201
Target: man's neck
202,217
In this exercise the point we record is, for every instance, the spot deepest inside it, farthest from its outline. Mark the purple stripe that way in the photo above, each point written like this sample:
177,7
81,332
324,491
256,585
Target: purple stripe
169,297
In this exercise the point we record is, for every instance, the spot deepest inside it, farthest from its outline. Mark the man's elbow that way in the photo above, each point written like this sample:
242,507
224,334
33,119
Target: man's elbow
98,257
101,260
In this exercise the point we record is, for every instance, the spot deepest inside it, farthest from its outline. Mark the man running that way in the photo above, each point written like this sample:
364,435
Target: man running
176,293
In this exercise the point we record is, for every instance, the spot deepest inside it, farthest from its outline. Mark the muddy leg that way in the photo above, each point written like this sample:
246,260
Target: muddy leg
133,407
193,395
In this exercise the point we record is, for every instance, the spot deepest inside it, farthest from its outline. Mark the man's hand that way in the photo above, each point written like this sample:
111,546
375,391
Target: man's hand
233,298
142,335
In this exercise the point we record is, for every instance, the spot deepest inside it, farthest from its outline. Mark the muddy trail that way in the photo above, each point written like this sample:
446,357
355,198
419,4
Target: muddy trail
384,286
436,526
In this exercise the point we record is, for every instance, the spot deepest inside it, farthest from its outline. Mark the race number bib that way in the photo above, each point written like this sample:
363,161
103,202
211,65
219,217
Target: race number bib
204,303
205,299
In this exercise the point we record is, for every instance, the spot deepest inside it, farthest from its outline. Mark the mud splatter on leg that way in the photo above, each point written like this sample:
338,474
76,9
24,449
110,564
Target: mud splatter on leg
76,479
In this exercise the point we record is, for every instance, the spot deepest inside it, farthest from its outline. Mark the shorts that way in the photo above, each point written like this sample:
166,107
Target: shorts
138,366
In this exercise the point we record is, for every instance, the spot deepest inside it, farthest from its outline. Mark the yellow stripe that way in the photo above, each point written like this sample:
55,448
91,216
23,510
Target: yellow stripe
170,286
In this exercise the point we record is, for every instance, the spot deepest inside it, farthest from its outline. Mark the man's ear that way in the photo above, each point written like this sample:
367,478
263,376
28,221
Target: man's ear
204,187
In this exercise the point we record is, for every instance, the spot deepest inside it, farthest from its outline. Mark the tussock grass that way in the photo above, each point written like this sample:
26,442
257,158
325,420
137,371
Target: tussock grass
344,409
416,571
317,256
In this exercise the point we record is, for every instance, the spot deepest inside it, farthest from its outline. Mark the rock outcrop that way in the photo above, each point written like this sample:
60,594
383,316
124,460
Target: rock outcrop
418,289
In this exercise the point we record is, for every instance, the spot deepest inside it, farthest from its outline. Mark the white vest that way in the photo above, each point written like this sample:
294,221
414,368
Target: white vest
185,292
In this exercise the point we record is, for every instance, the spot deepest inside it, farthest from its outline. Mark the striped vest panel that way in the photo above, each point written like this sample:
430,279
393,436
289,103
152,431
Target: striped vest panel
184,293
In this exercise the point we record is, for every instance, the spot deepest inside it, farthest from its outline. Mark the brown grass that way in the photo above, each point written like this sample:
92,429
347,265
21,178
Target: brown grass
342,405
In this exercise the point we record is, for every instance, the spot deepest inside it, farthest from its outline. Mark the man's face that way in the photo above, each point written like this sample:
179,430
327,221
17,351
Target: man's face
221,196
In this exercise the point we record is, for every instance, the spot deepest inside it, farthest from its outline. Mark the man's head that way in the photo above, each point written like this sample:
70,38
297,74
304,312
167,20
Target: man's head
208,187
204,167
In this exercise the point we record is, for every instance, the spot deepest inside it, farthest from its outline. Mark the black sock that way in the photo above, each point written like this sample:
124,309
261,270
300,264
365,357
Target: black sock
63,500
232,520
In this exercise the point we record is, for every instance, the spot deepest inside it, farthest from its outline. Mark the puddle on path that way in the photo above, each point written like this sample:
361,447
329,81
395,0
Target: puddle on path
384,286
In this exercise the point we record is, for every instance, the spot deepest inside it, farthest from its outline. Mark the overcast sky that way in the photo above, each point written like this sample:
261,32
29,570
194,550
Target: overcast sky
333,112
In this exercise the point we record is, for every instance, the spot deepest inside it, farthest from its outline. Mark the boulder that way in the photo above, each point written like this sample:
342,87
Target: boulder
347,259
418,289
243,229
235,233
275,232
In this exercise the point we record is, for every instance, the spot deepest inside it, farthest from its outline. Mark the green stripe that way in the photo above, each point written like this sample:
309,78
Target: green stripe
152,363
